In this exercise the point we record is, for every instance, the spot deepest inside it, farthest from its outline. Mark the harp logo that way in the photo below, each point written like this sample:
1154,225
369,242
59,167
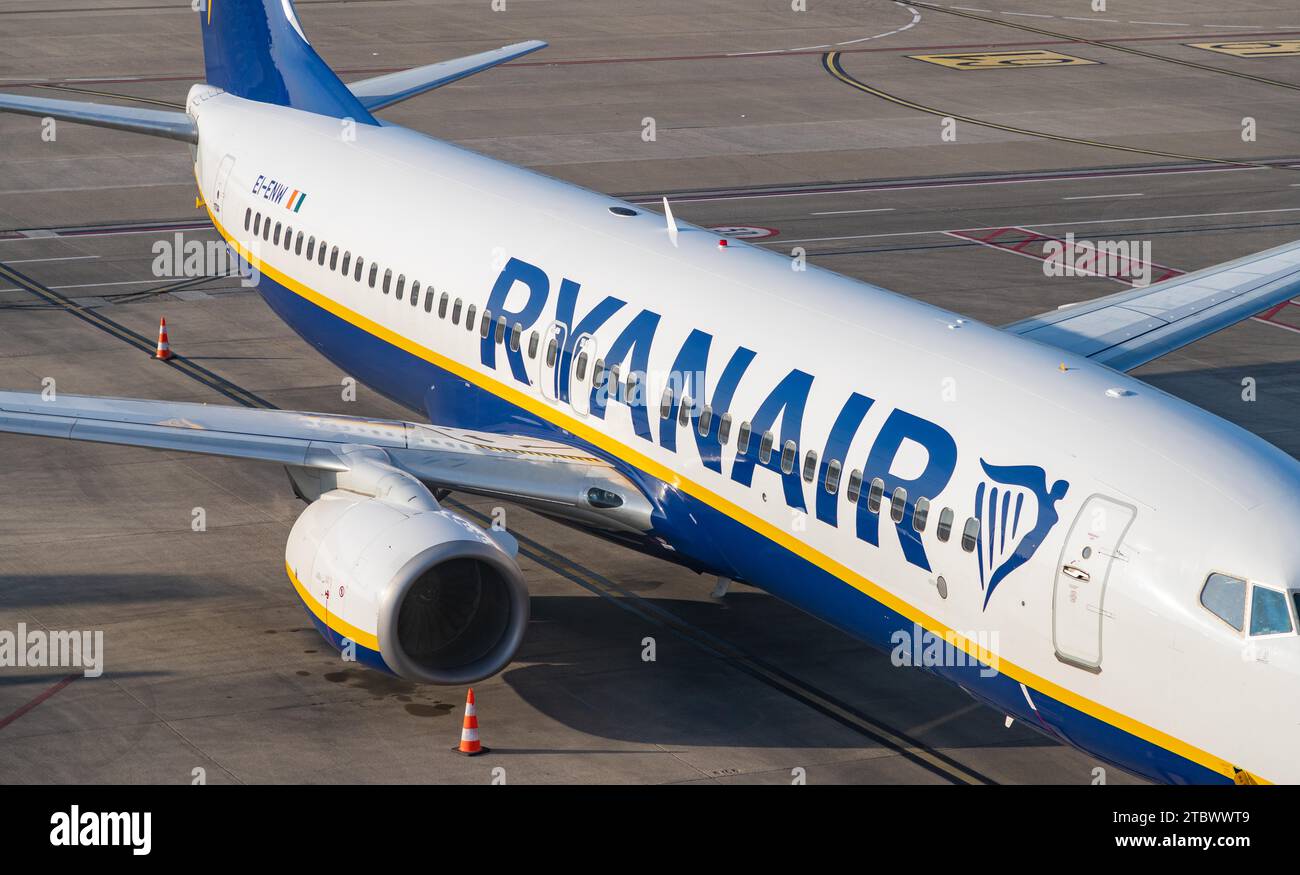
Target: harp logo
1017,510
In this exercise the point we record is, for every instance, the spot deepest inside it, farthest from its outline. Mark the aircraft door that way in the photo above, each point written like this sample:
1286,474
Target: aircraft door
221,182
1091,557
582,372
548,359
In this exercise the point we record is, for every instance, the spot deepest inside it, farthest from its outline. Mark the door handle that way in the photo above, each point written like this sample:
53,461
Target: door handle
1077,573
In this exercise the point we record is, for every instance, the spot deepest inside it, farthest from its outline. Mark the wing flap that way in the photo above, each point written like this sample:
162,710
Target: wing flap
154,122
1135,326
382,91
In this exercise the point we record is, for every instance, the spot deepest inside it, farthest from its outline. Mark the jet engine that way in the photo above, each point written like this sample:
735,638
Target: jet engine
408,586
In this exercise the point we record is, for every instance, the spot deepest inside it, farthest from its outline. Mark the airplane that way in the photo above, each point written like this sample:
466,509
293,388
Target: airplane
1004,506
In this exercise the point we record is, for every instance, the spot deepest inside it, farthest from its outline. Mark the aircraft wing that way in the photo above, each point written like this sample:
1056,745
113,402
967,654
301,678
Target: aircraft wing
1135,326
155,122
547,476
382,91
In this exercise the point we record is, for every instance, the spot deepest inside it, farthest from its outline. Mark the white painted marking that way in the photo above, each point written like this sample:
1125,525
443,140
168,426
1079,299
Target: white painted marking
1076,18
1029,14
850,212
743,197
61,258
1039,225
1162,23
1093,197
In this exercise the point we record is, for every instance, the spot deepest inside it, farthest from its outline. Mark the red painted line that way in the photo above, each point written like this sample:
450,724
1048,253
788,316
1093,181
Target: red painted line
38,700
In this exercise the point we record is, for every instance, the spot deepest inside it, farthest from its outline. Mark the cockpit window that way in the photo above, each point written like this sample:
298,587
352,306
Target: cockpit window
1225,597
1269,614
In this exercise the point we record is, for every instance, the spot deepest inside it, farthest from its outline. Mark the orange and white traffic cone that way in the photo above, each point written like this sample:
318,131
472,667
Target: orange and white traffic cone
164,347
469,743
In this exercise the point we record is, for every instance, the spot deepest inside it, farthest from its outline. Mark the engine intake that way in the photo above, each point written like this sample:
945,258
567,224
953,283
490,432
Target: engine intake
416,589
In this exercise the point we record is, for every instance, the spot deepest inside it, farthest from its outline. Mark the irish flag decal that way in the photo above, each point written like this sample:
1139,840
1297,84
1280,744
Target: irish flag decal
295,201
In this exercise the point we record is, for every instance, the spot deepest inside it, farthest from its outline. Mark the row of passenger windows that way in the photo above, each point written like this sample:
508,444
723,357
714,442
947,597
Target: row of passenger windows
830,475
1225,597
611,380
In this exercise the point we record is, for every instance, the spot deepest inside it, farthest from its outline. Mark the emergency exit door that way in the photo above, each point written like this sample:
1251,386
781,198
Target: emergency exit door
1091,558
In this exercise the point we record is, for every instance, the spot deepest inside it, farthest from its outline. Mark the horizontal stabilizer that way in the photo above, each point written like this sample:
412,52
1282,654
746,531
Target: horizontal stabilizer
393,88
155,122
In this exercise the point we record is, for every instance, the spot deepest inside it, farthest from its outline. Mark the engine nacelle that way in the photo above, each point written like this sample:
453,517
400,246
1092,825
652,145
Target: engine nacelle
416,590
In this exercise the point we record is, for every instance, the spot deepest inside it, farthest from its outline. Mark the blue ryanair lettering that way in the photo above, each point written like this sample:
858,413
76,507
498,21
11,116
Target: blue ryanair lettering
564,314
837,448
688,378
788,401
633,345
539,286
940,464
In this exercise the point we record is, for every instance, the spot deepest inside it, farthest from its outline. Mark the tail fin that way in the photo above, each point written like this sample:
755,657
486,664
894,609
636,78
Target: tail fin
256,49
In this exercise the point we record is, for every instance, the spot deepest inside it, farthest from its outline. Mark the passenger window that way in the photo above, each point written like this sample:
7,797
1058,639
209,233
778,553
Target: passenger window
442,305
742,438
320,254
550,353
533,340
1269,614
334,258
684,412
597,369
724,429
920,514
361,266
898,505
854,492
275,238
809,466
875,494
515,334
485,324
428,296
615,382
765,447
257,225
706,419
469,317
266,229
347,263
288,239
388,283
832,482
248,217
944,529
311,248
666,403
455,312
374,274
580,367
501,329
970,535
1225,597
297,245
788,453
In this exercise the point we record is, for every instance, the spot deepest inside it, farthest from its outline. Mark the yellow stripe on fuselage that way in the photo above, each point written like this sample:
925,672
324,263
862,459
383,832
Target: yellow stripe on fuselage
773,533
